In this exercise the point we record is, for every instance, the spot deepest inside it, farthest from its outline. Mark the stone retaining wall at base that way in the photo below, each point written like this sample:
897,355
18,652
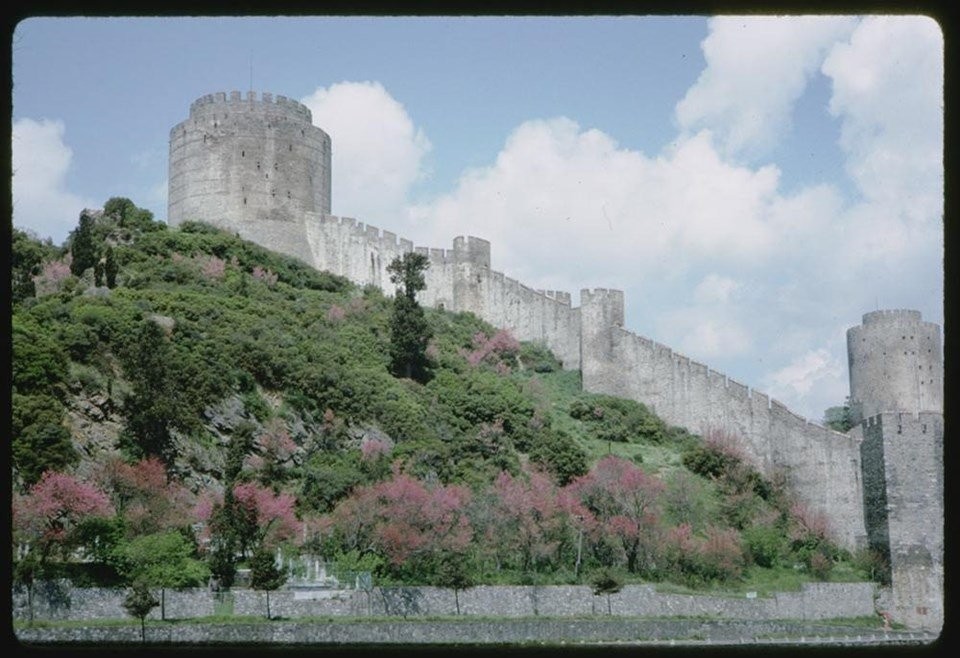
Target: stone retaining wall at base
58,601
471,632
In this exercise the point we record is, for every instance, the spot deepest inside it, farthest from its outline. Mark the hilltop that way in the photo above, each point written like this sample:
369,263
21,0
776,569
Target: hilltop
183,373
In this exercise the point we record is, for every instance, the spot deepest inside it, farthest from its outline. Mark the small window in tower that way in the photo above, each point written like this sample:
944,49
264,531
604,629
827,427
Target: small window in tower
899,429
258,165
920,367
289,147
244,200
923,428
903,337
301,132
288,194
274,166
266,176
243,154
273,194
204,138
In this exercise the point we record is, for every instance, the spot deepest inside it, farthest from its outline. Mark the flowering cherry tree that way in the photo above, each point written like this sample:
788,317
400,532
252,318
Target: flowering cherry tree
626,501
143,494
404,520
271,515
497,350
52,510
531,520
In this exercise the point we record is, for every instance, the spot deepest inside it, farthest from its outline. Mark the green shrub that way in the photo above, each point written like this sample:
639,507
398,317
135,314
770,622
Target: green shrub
766,545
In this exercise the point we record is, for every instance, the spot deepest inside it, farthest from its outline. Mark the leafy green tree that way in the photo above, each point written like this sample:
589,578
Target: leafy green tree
128,216
164,560
26,261
264,574
560,455
39,364
838,418
409,330
83,246
120,209
453,571
607,581
138,603
40,442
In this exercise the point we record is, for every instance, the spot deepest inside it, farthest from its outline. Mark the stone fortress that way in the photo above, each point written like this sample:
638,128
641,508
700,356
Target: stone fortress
259,167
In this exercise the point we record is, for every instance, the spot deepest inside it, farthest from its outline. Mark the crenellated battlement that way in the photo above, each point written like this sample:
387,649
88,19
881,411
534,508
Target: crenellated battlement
886,315
237,101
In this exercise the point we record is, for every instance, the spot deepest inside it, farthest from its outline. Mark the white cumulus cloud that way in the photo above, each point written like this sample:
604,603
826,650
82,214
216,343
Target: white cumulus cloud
888,93
708,336
715,289
816,379
757,67
41,160
558,196
378,152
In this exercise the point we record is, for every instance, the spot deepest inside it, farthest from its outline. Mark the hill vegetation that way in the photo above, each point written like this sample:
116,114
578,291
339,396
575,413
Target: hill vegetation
189,400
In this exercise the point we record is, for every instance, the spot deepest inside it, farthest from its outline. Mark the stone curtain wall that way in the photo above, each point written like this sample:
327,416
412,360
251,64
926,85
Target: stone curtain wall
815,601
822,466
459,279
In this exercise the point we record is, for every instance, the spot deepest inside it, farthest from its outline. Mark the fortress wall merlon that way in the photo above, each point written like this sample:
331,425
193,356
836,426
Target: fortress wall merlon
406,246
737,389
885,315
236,100
759,398
388,239
437,256
422,250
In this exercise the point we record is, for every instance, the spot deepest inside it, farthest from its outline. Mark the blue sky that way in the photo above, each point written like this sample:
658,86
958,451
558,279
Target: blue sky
754,185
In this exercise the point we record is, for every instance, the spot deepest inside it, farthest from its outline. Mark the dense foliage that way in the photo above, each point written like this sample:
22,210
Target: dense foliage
216,402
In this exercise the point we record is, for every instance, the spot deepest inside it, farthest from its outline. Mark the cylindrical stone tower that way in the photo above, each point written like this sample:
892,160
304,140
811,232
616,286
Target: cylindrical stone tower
237,160
896,364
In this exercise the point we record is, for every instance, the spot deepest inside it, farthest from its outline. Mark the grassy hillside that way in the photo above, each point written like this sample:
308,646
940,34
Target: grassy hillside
252,394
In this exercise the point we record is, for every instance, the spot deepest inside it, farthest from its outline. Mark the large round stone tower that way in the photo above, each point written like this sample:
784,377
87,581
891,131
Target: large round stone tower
896,364
238,160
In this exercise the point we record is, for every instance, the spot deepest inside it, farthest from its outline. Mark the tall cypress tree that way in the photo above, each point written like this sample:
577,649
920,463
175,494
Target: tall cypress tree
110,267
409,331
83,248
